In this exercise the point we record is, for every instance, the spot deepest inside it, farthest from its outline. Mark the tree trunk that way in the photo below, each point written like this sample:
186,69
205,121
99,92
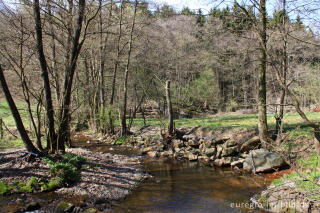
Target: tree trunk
102,98
16,115
284,76
43,63
63,133
1,129
170,111
262,96
114,77
125,85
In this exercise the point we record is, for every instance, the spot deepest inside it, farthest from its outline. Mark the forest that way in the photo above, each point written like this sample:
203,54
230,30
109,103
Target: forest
221,86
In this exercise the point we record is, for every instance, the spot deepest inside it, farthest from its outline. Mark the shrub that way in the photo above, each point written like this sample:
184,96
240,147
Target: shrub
76,160
66,171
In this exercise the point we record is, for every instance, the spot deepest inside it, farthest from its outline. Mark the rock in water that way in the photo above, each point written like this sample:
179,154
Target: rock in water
63,207
33,206
90,210
192,157
261,160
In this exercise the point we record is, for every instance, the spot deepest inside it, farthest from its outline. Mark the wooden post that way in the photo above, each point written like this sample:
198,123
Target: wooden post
170,111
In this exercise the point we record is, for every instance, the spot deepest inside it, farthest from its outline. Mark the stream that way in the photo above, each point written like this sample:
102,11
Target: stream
177,186
183,186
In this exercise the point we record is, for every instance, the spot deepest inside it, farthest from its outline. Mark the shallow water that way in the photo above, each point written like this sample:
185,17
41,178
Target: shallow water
188,187
183,186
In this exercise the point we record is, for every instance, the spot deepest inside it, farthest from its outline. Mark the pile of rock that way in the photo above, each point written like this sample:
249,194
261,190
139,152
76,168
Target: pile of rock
236,149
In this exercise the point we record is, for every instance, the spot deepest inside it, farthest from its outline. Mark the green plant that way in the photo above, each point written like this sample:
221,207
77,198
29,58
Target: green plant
66,171
4,188
54,183
32,185
75,160
122,140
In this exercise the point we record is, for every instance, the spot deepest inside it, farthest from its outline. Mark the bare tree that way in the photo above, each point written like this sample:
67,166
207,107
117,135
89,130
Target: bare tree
123,110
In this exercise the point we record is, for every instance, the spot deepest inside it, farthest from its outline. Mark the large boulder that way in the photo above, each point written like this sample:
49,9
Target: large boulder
261,160
250,144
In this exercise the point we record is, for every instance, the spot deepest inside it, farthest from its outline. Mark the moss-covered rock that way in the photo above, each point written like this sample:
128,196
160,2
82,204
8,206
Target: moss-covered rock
63,207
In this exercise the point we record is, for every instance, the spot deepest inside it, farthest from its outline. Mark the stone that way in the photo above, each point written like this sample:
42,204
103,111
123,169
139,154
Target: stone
33,206
230,143
160,147
147,149
250,144
220,141
229,151
194,143
192,157
203,158
208,143
210,152
90,210
237,163
153,154
219,151
261,160
177,143
195,151
189,137
63,207
225,161
243,155
167,153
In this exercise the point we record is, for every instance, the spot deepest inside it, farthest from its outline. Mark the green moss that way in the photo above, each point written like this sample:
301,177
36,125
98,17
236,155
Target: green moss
4,188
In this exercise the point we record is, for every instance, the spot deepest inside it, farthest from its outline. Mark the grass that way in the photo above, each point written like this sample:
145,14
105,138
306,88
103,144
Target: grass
290,123
306,179
9,141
